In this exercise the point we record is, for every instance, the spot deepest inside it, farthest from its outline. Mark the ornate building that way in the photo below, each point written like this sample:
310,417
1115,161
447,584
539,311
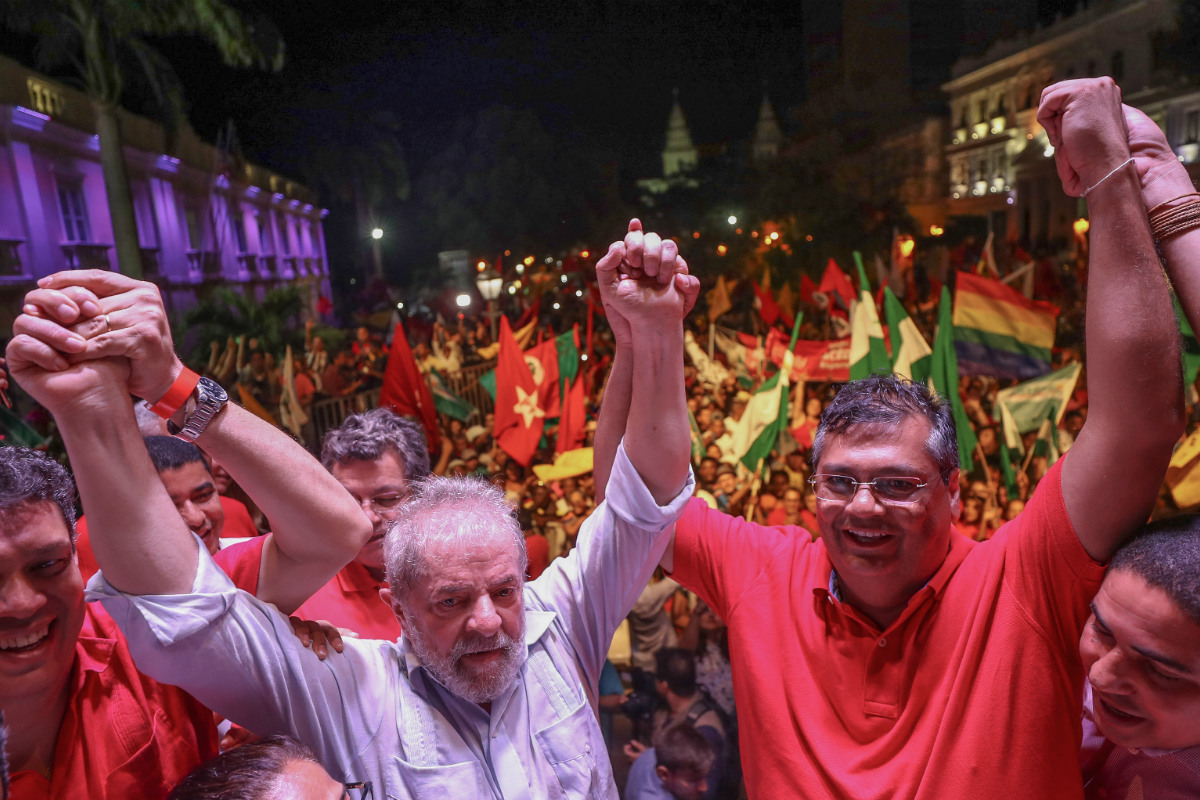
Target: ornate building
204,218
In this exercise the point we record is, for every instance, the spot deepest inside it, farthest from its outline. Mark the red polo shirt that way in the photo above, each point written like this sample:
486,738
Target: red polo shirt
350,600
124,736
972,692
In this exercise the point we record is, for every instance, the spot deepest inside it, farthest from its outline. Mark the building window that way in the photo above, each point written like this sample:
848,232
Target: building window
194,232
45,98
982,111
238,221
264,235
74,211
285,241
1118,66
1191,127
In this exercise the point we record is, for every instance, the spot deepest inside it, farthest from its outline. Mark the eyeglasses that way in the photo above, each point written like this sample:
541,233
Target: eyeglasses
359,790
385,503
887,490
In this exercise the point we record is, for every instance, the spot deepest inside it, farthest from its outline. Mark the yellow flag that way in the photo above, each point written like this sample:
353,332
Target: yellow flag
718,300
1183,475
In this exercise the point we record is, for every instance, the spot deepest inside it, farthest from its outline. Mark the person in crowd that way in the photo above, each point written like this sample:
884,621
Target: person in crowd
316,357
1141,651
275,768
677,768
377,456
481,651
339,378
888,657
81,718
675,682
707,637
650,625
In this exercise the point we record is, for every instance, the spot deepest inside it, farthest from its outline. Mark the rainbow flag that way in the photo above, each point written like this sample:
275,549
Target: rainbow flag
998,331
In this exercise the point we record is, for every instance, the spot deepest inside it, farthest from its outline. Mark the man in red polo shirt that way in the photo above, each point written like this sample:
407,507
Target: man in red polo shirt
375,456
893,658
82,720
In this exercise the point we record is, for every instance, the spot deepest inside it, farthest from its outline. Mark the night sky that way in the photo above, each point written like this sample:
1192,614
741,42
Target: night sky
604,70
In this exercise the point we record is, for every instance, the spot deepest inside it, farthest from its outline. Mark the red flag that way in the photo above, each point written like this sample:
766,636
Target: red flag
768,309
834,280
543,366
571,422
519,418
531,313
807,287
405,390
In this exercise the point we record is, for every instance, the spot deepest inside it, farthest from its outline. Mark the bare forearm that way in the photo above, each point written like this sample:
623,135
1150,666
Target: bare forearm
657,435
140,541
614,411
312,516
1133,374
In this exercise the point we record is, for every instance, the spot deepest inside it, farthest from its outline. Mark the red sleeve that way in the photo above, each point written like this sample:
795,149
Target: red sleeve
718,556
1046,568
83,547
538,551
238,523
242,563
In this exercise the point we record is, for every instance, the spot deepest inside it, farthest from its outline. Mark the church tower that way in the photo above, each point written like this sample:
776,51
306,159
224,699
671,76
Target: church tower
768,137
680,154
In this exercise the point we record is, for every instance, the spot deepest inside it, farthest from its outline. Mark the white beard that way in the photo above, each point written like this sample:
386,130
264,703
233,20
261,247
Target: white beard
449,672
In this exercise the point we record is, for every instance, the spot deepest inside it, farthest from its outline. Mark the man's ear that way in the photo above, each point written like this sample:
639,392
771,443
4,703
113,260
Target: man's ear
954,489
662,772
389,599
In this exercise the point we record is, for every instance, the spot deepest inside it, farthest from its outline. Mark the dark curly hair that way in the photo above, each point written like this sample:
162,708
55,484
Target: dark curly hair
30,476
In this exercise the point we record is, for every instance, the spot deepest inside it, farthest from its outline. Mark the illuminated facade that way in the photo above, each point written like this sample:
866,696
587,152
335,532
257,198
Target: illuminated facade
204,218
1001,166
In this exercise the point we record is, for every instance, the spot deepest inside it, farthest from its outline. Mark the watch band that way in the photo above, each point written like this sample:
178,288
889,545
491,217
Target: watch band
210,398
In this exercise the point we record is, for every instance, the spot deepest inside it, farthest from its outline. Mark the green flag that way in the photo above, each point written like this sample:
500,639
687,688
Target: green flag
697,440
911,356
766,414
944,375
488,381
446,401
1189,345
1006,470
1023,407
1047,440
868,352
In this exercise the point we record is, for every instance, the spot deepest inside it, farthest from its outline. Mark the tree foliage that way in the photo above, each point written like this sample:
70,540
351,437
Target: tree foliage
225,313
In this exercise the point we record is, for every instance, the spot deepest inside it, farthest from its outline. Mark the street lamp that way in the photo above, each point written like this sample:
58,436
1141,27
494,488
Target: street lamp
489,283
377,251
377,233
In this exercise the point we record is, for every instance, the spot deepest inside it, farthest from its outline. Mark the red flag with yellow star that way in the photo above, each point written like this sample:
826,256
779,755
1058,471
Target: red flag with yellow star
519,418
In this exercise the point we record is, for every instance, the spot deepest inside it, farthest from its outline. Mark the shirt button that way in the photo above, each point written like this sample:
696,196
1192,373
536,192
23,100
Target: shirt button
883,641
587,748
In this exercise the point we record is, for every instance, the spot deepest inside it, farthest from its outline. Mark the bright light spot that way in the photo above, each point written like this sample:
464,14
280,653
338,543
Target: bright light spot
732,219
556,306
520,269
1029,136
508,252
808,238
549,259
353,281
695,234
579,293
774,235
585,254
463,300
512,289
563,279
1009,201
377,233
517,284
400,306
722,249
1081,226
738,231
936,230
583,356
1049,151
481,266
753,234
956,195
907,244
528,261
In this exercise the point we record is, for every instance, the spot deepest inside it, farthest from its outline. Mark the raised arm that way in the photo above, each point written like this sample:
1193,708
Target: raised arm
317,526
1112,474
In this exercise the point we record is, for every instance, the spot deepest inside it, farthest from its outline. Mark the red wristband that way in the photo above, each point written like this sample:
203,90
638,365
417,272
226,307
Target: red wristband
177,395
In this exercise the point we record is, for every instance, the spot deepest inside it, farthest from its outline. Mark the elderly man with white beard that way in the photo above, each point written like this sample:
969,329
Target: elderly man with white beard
490,692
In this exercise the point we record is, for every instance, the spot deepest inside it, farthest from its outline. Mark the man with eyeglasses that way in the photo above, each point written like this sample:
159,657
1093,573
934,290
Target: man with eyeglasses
893,658
376,456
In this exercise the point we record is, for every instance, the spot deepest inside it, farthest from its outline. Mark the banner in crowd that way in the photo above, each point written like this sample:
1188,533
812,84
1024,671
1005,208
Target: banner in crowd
998,331
519,418
718,299
944,377
743,351
868,352
911,355
707,370
811,360
766,414
446,401
1027,405
405,390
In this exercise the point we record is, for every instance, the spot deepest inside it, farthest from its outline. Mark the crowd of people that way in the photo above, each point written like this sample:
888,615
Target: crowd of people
867,617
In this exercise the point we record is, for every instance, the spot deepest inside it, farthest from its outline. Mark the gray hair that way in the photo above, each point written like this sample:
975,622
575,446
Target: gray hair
889,400
367,436
1167,555
463,510
30,476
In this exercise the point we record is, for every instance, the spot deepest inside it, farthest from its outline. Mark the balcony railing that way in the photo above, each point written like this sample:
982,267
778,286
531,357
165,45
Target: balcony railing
291,265
81,255
266,266
208,264
247,261
10,257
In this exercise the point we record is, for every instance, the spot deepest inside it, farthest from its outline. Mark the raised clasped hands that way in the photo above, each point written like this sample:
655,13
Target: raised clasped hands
83,329
644,282
1085,124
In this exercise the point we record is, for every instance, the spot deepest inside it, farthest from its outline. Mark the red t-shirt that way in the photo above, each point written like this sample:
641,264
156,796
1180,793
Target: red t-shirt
973,692
538,550
350,600
124,736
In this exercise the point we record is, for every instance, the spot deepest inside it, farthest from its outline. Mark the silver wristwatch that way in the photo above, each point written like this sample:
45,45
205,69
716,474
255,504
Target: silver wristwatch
206,401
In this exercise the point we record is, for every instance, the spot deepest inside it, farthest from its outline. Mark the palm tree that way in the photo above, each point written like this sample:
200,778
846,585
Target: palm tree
227,313
99,39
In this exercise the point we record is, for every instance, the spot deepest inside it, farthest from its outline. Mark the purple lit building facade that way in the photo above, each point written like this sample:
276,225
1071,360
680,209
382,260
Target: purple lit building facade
204,218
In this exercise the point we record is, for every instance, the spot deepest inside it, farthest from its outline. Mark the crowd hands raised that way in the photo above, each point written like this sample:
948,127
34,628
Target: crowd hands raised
480,672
